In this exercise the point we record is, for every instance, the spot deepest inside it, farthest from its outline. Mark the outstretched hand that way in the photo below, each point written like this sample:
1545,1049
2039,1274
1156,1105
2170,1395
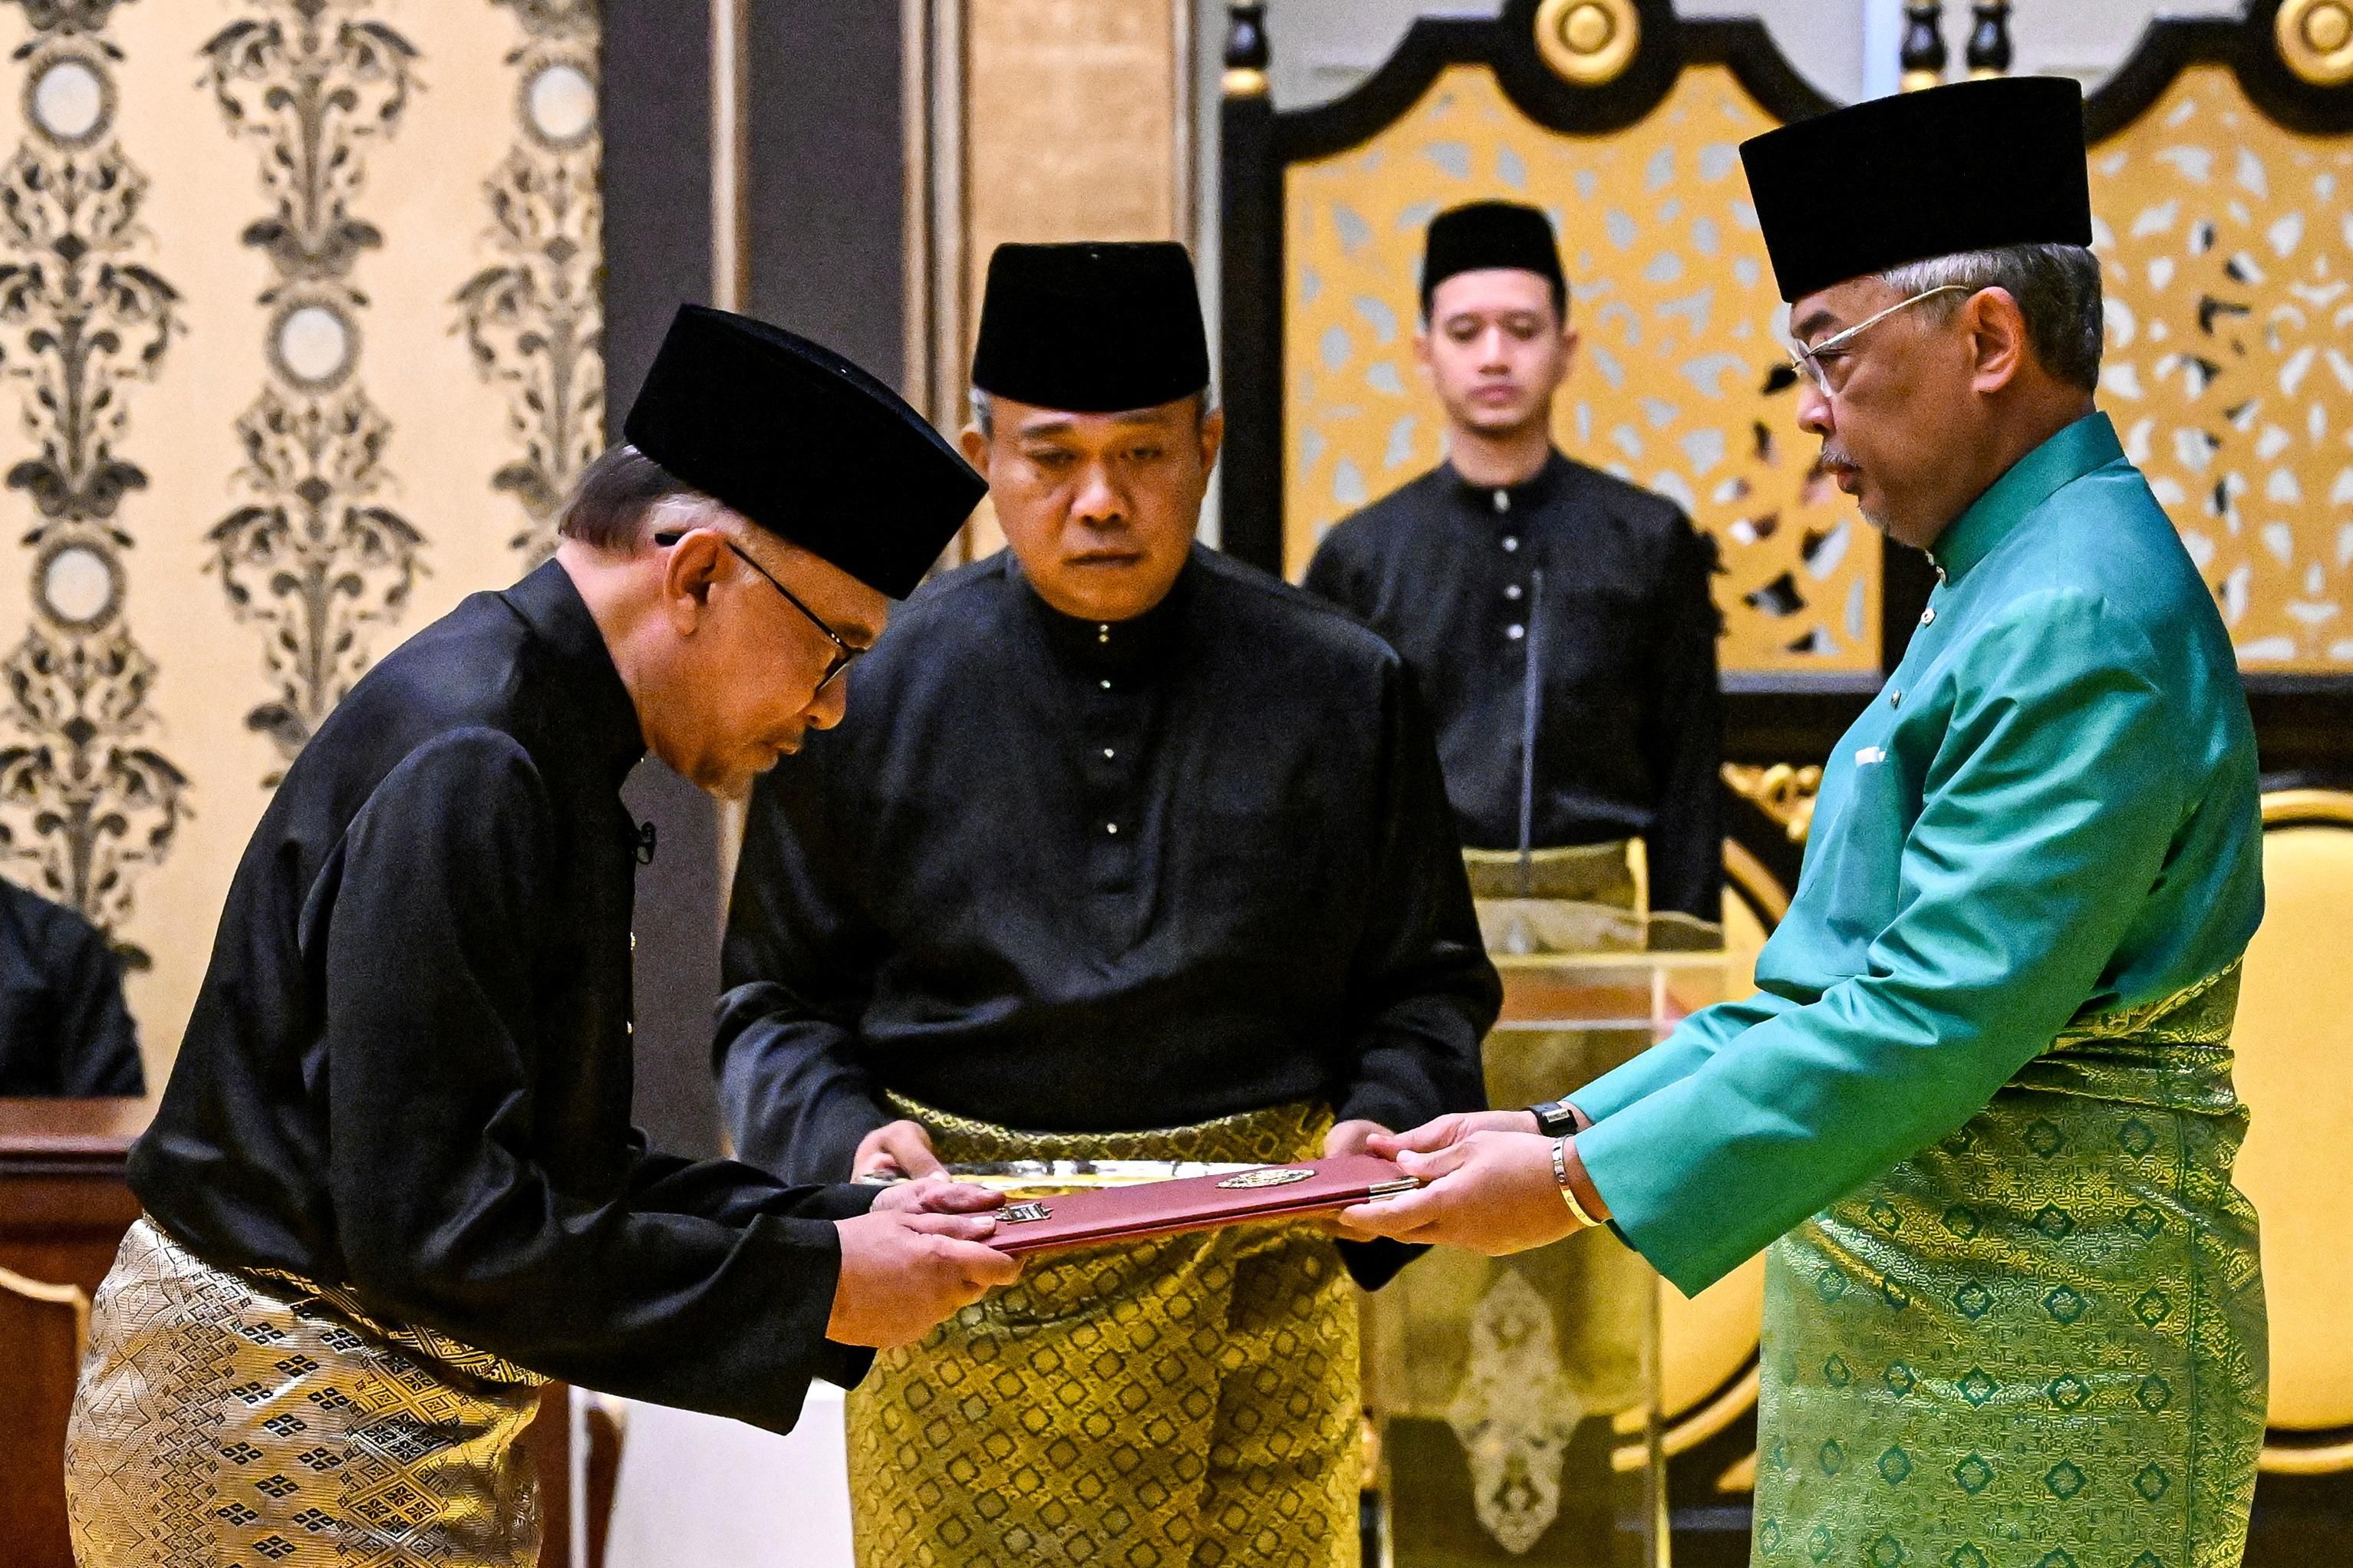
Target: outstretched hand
899,1149
904,1274
936,1195
1446,1131
1487,1191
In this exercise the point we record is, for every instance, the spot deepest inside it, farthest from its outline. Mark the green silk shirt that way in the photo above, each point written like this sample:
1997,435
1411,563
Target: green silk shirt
2049,812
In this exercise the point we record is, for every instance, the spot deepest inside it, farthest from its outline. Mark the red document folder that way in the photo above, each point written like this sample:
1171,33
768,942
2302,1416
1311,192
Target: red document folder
1108,1215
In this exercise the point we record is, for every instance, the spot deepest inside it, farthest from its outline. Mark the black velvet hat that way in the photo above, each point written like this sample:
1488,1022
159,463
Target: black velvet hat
1972,166
805,444
1479,234
1092,327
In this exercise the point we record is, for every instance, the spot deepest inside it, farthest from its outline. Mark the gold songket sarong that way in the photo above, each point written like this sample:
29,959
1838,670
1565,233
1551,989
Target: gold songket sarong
259,1419
1192,1400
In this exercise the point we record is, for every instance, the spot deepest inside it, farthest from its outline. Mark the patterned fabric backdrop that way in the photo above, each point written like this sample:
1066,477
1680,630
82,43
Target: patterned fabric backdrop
299,333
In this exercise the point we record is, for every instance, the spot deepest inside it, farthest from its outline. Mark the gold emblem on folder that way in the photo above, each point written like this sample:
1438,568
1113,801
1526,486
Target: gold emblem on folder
1271,1177
1015,1214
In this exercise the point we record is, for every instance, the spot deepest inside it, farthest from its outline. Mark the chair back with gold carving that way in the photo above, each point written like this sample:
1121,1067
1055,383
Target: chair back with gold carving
2295,1069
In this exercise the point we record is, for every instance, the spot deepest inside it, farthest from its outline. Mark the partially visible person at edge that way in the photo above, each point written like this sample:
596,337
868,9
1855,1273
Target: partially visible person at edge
1150,862
393,1186
64,1030
1980,1111
1510,563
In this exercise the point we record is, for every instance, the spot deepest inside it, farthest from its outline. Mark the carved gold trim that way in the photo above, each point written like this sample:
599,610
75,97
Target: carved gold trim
2284,807
56,1296
1588,42
2315,39
1783,792
1752,877
1922,80
2281,1459
1714,1416
1244,82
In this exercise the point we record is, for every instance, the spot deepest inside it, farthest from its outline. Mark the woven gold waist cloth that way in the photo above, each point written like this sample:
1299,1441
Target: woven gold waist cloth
1191,1400
232,1418
2039,1344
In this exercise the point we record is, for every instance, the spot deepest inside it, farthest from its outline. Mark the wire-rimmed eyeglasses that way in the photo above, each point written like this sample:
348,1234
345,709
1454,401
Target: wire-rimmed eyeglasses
843,653
1804,362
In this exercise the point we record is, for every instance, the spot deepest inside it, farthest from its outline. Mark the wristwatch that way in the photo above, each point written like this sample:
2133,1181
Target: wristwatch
1555,1118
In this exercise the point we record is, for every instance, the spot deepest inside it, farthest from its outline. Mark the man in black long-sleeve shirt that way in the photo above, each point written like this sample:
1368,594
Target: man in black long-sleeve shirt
1510,563
392,1184
1152,862
64,1031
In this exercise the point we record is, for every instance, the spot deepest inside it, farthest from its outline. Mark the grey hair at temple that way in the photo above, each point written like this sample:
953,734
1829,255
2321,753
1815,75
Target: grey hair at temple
984,409
2057,287
611,506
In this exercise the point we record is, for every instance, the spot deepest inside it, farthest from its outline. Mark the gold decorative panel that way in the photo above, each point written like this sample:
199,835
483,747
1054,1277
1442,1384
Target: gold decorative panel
1680,322
2228,245
298,341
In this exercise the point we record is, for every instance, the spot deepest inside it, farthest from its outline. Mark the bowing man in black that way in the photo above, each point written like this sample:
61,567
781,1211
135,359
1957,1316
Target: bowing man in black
1509,558
402,1105
64,1031
1151,861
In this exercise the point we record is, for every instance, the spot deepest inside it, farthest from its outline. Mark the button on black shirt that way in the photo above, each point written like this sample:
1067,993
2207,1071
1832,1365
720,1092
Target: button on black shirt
1071,877
1629,718
409,1069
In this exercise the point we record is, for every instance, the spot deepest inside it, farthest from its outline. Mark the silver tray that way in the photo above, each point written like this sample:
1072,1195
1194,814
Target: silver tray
1076,1176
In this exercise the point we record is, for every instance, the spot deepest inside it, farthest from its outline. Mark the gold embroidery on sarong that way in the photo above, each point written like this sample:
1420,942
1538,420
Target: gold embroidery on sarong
1187,1400
2039,1342
228,1418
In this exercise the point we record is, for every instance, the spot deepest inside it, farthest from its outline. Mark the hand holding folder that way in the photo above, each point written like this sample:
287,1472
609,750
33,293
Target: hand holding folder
1110,1214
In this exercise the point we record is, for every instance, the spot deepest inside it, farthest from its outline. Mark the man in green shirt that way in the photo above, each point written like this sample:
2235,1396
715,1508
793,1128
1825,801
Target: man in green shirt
1980,1109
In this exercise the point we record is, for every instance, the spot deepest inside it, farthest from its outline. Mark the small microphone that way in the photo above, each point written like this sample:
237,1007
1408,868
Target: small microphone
645,843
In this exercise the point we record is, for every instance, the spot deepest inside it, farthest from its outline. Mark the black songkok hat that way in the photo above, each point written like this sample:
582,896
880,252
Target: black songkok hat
805,444
1972,166
1092,327
1481,234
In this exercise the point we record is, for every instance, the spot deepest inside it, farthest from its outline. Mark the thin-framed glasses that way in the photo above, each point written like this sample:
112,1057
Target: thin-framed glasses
843,653
1804,362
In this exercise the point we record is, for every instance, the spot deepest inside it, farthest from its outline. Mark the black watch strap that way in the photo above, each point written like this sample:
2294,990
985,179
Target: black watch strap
1555,1118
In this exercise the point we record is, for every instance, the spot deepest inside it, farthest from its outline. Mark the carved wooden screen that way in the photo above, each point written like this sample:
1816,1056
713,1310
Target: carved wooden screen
2222,181
2228,243
1674,386
299,344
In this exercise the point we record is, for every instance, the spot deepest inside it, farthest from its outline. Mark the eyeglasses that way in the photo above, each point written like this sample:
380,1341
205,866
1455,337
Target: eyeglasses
1804,362
842,651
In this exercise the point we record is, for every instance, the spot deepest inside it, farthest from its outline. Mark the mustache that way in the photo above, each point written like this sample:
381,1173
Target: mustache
1834,456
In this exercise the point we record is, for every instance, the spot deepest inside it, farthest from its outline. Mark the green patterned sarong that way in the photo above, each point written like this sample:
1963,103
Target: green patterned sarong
2040,1344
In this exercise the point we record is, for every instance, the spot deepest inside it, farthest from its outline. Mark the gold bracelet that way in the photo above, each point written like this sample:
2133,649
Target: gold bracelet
1567,1192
